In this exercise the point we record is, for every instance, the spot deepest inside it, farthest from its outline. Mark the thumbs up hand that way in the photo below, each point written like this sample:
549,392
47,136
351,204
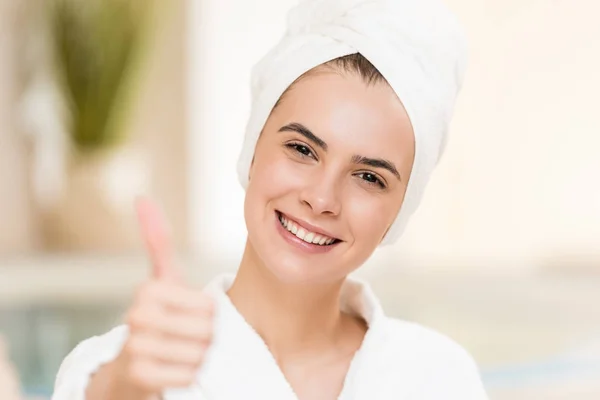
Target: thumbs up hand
170,324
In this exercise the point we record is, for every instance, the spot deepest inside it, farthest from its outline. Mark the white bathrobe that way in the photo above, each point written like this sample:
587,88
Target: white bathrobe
397,360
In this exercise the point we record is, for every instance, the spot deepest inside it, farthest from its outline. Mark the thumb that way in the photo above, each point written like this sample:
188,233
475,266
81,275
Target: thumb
155,234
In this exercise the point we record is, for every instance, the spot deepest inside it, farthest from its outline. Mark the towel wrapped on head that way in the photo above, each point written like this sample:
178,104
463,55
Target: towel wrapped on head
417,45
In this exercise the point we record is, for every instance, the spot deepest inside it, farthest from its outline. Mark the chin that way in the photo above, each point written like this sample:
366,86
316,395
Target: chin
288,264
290,272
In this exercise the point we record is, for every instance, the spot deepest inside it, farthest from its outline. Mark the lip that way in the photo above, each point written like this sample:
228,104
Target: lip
309,227
299,244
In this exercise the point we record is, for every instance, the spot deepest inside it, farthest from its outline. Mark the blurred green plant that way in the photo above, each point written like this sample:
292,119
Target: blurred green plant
97,48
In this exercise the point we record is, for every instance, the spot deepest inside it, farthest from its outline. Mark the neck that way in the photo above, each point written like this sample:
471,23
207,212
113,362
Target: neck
291,318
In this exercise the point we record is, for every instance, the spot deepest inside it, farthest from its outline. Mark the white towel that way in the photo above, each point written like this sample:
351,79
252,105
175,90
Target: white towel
417,45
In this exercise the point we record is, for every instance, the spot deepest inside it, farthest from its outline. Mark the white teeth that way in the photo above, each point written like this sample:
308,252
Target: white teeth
309,237
301,233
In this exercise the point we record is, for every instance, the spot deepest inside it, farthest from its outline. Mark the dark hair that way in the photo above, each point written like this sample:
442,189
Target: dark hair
354,63
358,64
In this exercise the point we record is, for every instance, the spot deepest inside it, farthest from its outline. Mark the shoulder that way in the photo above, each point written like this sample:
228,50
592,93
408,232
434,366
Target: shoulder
102,347
428,343
85,359
443,366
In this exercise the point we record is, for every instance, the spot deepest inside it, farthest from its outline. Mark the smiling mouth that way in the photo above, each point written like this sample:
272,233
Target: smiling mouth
305,235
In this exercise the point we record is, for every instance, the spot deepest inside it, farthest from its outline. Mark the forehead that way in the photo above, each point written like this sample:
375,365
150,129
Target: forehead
348,113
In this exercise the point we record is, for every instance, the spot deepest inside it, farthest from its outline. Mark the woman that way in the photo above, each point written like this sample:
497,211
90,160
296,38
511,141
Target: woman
348,119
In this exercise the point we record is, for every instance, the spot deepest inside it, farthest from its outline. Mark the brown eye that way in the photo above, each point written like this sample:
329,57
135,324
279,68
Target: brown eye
371,179
303,150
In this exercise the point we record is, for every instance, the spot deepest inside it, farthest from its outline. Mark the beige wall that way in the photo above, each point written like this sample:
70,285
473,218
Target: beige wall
517,183
525,144
160,121
158,124
17,225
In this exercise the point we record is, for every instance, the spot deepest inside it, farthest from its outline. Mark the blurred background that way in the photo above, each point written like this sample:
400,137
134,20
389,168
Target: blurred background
101,100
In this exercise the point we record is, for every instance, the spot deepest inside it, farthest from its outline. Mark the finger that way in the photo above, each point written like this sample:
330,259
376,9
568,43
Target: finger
180,326
154,376
170,351
176,298
154,231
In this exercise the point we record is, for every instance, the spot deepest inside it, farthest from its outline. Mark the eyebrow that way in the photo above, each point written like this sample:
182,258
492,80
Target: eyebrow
377,163
304,131
356,159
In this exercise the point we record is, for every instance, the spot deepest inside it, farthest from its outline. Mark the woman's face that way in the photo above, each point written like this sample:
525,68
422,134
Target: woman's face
330,168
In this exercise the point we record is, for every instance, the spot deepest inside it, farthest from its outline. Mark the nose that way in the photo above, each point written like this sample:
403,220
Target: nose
322,195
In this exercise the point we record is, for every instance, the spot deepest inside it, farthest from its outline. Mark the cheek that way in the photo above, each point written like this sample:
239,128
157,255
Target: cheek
275,175
274,180
369,217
